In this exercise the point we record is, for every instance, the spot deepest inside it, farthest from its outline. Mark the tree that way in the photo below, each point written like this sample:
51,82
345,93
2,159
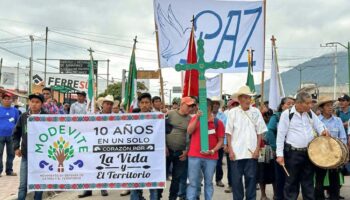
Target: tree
177,100
60,151
115,89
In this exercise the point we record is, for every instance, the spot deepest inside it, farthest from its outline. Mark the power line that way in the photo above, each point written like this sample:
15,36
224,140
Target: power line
102,52
99,35
20,55
102,42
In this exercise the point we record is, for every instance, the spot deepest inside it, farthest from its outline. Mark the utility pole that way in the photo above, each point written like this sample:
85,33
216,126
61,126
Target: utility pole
30,65
335,62
107,72
0,69
169,97
47,31
17,77
348,49
335,72
349,64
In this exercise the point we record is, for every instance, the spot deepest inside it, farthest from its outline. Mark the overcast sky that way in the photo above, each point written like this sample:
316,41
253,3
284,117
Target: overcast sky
300,27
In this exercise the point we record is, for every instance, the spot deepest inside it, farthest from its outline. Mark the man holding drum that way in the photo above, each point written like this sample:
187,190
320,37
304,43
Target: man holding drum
335,126
296,129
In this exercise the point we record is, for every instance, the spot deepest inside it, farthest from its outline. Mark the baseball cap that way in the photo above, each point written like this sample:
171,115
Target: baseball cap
6,94
232,101
37,96
188,101
344,97
82,93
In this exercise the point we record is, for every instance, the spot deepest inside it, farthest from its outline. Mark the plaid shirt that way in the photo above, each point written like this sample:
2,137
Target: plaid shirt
51,108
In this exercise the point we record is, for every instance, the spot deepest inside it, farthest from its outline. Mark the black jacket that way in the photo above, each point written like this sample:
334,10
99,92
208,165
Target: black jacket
19,135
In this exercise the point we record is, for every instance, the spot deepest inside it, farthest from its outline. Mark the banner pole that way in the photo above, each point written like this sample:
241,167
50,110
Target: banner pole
160,68
263,67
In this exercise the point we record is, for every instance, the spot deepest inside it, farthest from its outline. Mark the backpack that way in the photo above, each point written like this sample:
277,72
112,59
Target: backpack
216,122
292,114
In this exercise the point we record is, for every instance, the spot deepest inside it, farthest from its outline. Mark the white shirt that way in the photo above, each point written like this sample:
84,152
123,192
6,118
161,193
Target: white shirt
298,131
78,108
244,126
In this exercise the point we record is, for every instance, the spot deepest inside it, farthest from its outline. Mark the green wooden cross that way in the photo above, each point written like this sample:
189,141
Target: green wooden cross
201,66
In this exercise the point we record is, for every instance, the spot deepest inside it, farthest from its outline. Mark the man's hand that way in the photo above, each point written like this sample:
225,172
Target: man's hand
231,154
345,124
18,153
325,132
183,156
255,154
226,148
207,153
199,114
280,160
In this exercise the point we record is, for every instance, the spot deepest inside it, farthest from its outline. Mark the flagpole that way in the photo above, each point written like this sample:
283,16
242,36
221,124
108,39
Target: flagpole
160,68
221,83
263,69
279,78
91,84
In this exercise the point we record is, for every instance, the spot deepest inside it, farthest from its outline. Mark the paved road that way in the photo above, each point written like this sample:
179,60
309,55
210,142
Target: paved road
9,186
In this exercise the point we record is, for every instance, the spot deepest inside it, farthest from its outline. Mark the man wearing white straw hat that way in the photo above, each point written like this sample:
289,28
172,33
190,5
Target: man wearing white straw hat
297,127
244,128
335,126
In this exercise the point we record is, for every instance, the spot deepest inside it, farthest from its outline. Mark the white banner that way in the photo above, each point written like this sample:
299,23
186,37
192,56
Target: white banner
213,86
228,29
68,152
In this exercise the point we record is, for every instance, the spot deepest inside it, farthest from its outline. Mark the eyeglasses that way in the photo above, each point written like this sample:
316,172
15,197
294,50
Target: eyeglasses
46,93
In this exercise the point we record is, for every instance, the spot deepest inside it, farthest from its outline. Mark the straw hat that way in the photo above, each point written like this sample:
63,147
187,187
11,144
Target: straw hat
217,99
108,98
99,101
324,100
244,90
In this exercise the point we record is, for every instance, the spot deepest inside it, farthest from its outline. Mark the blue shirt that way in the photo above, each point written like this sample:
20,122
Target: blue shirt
8,119
222,117
335,127
271,134
344,116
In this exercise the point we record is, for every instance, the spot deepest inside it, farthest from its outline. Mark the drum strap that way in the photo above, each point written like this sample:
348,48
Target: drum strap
311,124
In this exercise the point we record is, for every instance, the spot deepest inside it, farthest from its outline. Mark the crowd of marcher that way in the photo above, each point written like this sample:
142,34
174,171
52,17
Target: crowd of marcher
259,145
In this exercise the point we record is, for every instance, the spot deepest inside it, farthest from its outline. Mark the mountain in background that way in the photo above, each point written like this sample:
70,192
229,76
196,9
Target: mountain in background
319,70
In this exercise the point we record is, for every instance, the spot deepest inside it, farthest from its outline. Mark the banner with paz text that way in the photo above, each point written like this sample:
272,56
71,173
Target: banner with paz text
76,152
228,29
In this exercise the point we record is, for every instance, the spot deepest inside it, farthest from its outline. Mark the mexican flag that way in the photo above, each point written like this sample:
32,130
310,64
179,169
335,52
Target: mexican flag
130,99
90,97
250,77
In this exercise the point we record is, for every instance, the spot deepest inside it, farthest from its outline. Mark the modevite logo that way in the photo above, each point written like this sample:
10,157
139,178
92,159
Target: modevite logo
60,151
60,148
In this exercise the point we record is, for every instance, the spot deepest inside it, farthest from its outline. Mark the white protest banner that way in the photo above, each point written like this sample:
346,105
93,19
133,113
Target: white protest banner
213,86
228,29
75,152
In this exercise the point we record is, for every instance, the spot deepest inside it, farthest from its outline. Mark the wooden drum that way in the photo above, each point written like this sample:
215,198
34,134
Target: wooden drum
327,152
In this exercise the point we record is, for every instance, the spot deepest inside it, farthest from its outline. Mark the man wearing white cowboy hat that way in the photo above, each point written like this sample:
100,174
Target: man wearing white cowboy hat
335,126
217,103
244,128
107,104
